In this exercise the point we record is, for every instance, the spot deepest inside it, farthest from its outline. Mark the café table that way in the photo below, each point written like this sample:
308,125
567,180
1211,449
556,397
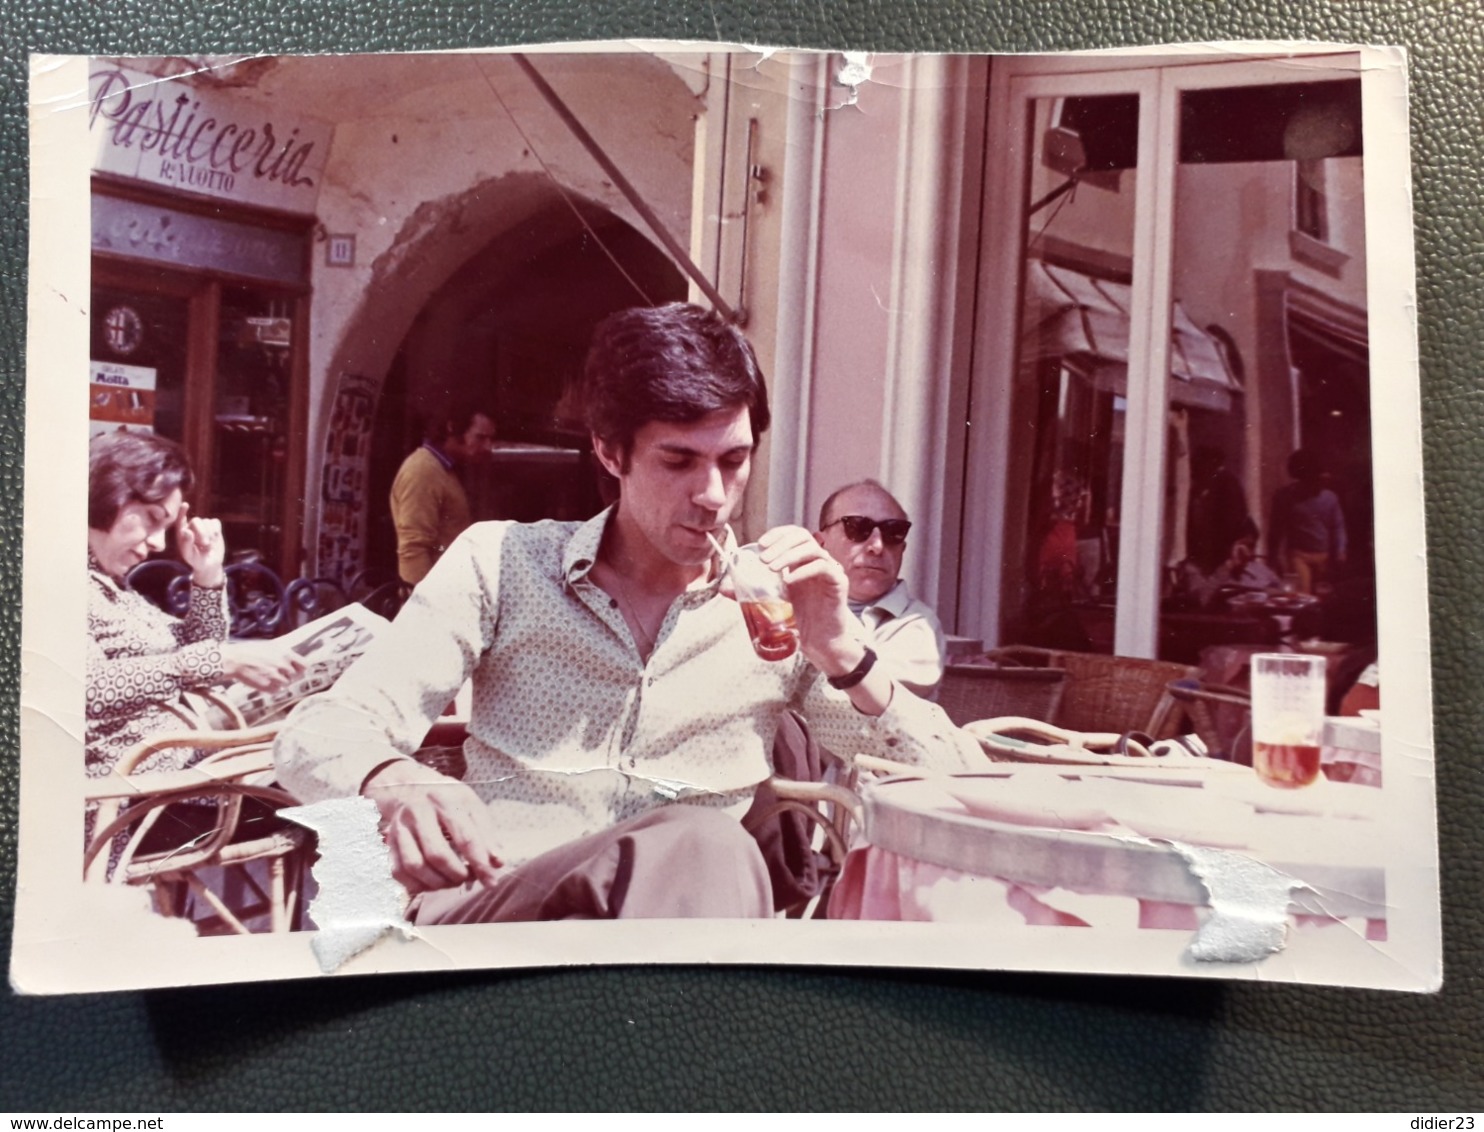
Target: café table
1282,607
1072,845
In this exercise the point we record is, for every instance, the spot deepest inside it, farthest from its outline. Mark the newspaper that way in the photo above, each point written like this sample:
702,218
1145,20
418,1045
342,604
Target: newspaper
328,647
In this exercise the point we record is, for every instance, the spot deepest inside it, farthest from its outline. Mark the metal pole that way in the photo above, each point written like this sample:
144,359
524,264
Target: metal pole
590,143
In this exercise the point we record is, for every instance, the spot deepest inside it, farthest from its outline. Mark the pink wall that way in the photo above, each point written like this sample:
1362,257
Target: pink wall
857,233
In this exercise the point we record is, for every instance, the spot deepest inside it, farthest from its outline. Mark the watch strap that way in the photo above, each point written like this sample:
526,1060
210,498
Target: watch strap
856,674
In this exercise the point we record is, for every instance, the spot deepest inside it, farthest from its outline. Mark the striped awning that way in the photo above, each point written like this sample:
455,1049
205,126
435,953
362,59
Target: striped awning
1084,323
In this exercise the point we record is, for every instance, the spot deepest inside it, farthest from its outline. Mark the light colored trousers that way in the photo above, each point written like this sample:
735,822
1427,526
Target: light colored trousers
679,861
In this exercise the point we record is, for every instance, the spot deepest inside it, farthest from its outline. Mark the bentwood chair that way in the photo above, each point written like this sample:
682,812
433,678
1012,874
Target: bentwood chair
211,799
1219,714
801,821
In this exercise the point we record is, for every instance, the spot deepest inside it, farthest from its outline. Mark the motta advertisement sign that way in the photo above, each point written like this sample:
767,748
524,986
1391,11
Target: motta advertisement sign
121,397
171,133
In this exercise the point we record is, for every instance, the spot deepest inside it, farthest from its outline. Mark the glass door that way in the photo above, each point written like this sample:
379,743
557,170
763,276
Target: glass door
217,366
1060,426
138,352
1069,402
250,422
1268,223
1135,392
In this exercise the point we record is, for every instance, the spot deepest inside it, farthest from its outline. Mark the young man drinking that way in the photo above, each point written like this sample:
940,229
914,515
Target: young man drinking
621,719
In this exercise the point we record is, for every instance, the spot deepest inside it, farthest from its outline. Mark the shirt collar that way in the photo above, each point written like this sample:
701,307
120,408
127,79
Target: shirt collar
582,547
107,580
894,601
582,552
438,455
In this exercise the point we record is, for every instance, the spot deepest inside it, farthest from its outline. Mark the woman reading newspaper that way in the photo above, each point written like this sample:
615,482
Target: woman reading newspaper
143,663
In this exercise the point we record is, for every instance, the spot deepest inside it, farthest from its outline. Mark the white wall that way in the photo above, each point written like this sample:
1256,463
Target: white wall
869,341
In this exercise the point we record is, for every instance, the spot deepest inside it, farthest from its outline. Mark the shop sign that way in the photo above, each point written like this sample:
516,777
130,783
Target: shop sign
120,397
184,239
181,137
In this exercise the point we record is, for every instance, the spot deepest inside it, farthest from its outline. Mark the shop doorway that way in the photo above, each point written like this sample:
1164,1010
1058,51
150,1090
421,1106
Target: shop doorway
510,329
214,360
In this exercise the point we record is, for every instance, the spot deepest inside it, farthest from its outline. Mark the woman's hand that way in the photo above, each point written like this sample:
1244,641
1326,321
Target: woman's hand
202,548
264,665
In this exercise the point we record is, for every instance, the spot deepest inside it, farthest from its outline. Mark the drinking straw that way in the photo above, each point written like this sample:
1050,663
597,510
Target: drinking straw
721,551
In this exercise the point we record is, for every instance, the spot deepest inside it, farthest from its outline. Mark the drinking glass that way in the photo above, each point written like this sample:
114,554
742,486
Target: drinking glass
765,606
1287,717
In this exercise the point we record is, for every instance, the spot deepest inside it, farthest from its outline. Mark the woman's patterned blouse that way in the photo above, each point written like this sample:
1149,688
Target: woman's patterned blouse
141,658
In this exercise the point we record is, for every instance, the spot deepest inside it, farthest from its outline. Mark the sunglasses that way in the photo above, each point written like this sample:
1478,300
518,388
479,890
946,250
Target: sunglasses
858,528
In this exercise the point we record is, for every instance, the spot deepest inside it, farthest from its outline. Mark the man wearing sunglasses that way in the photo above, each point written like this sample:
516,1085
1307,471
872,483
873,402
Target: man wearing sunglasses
865,529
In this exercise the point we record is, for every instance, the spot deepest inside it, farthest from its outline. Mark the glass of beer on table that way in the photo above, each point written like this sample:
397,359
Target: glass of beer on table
1287,717
765,605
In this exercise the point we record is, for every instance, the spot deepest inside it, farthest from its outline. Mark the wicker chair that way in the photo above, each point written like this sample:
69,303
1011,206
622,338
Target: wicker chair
1108,693
237,770
802,822
1219,714
976,691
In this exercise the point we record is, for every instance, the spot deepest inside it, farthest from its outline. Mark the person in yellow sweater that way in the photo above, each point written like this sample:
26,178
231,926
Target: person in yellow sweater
429,507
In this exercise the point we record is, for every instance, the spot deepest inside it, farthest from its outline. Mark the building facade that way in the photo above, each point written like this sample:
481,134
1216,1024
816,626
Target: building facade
1021,292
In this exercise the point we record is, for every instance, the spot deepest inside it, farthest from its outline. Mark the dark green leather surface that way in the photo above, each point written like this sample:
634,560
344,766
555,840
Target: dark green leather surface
689,1038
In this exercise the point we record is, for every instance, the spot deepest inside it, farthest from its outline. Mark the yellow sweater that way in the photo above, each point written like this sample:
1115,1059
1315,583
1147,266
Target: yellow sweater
429,509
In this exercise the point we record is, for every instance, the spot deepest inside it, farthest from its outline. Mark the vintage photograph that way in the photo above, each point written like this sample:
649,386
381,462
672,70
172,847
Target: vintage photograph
796,506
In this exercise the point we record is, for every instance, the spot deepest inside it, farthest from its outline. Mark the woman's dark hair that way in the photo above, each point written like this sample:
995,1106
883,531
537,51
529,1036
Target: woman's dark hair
130,467
674,363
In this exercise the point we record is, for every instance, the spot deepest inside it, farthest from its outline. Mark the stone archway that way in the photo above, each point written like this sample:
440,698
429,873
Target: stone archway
493,292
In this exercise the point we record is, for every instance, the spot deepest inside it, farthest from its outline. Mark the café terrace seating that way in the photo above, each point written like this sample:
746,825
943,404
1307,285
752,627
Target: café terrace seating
260,861
810,822
268,859
260,604
976,691
245,869
1090,692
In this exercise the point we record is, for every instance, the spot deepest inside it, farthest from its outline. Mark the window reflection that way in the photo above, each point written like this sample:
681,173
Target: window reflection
1267,356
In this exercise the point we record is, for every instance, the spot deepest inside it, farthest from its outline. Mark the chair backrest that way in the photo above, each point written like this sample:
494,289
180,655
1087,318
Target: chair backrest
164,582
216,834
1109,693
386,599
1220,715
305,599
978,691
787,809
255,597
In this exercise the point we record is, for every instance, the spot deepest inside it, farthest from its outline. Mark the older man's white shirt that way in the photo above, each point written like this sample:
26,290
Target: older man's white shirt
907,637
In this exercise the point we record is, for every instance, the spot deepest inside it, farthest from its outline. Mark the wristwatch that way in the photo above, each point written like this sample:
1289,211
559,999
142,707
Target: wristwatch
856,674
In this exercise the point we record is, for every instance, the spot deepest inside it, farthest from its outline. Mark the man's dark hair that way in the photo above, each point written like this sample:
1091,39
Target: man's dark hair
675,363
454,418
132,467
